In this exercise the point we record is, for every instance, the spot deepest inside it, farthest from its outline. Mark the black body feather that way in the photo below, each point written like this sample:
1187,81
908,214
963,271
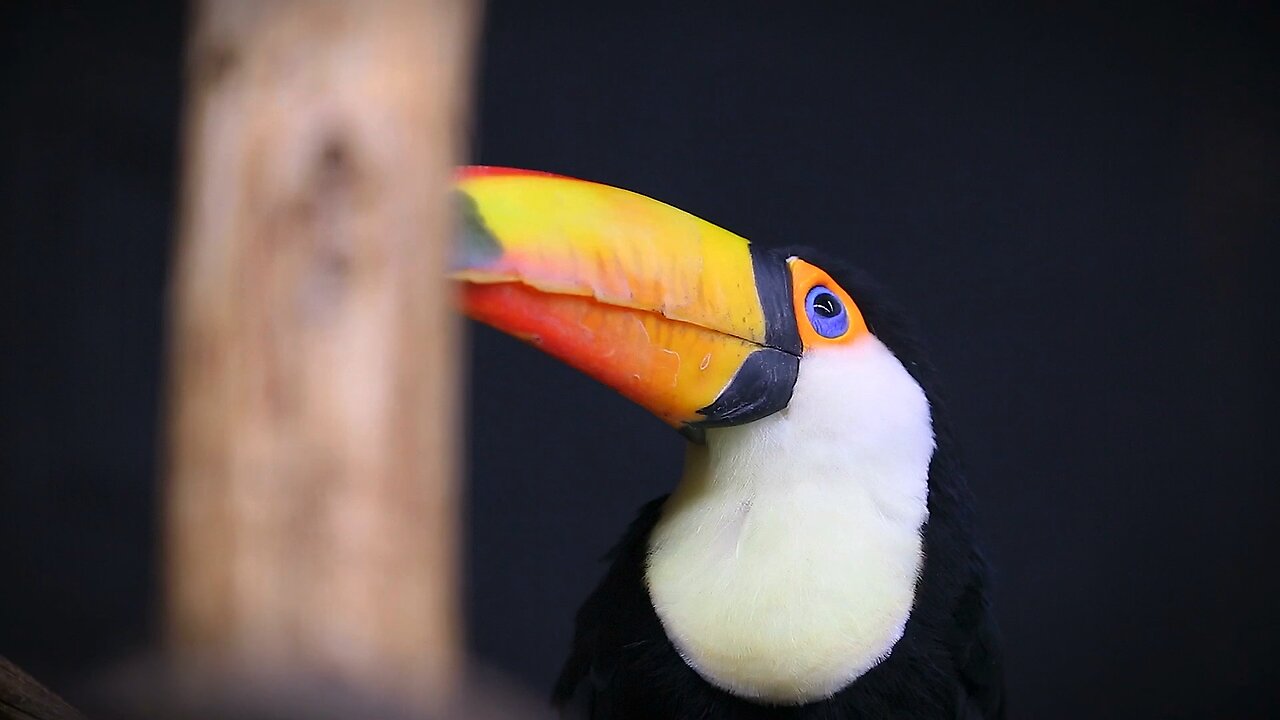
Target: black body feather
947,664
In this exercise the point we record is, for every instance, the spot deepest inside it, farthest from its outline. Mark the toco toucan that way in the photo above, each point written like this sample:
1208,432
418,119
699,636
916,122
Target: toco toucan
816,559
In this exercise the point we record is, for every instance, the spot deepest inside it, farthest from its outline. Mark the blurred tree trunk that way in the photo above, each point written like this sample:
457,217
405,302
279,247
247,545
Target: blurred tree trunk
311,495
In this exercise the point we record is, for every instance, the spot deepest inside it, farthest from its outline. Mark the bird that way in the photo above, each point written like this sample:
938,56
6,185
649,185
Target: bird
818,557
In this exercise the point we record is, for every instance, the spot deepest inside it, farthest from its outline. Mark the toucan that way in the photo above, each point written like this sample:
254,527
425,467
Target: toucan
817,559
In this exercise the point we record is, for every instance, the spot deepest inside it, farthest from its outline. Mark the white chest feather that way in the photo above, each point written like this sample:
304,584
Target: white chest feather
784,565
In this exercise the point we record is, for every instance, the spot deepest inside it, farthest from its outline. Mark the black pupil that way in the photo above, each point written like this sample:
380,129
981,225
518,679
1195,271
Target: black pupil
826,305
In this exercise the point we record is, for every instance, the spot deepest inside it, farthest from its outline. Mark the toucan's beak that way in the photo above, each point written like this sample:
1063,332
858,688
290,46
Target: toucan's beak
680,316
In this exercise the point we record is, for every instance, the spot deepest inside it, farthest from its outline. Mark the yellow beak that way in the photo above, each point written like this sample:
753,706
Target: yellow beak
673,312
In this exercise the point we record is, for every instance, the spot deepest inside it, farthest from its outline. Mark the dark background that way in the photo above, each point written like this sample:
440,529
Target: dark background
1073,201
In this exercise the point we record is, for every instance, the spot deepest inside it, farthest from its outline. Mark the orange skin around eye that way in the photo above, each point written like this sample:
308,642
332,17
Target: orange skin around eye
804,277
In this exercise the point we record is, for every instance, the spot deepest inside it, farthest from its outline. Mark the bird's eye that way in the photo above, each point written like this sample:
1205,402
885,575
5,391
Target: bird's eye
826,312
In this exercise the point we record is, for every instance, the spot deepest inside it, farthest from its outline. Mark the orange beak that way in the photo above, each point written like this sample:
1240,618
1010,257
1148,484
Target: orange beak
676,314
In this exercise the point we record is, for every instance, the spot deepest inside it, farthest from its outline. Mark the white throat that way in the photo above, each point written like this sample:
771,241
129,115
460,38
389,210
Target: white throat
784,565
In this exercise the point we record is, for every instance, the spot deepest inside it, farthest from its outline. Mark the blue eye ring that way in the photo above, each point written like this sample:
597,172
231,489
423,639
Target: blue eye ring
827,314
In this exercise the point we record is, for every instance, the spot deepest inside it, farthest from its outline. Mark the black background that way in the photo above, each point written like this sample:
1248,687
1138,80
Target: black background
1074,201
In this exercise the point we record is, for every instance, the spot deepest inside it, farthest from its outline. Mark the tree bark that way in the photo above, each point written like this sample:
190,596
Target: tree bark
22,698
311,498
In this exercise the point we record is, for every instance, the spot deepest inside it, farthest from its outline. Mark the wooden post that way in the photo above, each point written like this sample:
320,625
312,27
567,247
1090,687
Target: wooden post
312,512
